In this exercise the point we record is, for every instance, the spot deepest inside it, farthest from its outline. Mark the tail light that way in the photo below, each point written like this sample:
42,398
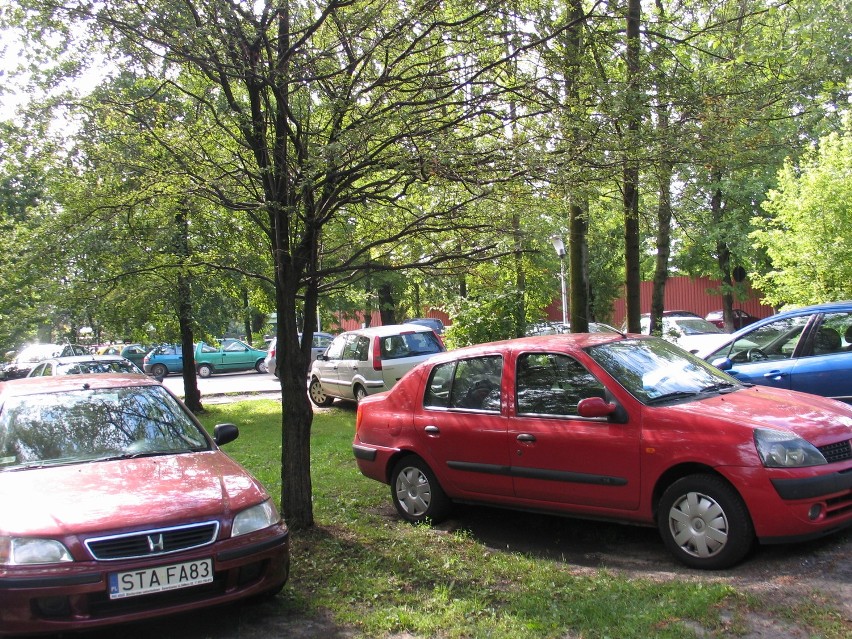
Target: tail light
377,354
272,349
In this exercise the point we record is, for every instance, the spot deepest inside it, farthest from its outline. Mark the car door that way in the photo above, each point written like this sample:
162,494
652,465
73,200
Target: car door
463,427
824,366
326,366
769,354
237,356
558,456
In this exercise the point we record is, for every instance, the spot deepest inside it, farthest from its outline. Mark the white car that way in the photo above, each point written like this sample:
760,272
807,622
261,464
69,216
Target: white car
369,360
693,334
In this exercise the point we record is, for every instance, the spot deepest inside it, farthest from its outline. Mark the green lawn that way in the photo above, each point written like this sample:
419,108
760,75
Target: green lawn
380,576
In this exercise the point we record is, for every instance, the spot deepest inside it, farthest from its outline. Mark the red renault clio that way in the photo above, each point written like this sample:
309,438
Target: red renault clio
622,427
115,505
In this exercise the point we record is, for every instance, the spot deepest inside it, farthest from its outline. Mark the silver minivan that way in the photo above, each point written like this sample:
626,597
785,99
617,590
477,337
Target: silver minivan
369,360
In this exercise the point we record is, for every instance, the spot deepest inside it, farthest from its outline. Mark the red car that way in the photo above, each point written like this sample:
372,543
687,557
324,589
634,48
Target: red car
117,506
627,428
741,318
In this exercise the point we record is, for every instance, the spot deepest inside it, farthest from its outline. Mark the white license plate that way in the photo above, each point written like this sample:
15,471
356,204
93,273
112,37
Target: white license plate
142,582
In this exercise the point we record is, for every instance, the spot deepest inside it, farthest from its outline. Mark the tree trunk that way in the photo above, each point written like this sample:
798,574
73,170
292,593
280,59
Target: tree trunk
723,254
191,394
631,171
579,266
387,307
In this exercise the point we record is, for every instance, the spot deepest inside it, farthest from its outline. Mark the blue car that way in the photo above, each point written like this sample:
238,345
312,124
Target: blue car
808,349
164,359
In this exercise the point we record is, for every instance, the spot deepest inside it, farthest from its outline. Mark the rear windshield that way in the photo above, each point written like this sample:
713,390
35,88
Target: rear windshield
410,345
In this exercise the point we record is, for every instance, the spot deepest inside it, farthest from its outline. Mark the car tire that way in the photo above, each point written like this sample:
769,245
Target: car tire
205,370
317,394
704,522
159,370
260,367
360,393
416,493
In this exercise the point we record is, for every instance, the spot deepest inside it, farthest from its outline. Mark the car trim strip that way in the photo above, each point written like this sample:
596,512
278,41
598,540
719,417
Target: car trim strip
813,487
50,582
363,452
539,473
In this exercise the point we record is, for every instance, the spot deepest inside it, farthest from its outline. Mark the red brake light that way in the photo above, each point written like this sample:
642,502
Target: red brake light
377,354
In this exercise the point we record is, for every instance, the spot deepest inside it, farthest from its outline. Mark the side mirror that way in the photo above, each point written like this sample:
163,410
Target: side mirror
225,433
723,364
595,407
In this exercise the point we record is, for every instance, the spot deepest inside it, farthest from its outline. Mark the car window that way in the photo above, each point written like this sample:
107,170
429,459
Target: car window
476,384
236,347
410,345
321,341
357,348
335,350
553,384
774,341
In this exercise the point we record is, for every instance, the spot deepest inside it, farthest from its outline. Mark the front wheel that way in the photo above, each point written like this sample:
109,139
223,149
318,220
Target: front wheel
416,493
360,393
205,370
317,394
705,523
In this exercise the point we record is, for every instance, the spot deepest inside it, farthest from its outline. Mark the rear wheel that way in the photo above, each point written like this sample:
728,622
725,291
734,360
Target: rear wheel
416,493
705,523
317,394
260,367
205,370
360,393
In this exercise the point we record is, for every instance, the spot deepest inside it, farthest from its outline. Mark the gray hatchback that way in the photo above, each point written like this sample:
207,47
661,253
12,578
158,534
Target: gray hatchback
369,360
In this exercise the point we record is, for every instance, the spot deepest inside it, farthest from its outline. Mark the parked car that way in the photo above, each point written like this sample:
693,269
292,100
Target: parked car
118,506
163,360
602,425
370,360
84,365
319,343
690,332
741,318
807,349
233,355
31,355
432,322
557,328
134,352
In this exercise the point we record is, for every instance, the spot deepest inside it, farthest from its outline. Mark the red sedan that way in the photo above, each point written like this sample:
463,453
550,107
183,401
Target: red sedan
631,429
118,506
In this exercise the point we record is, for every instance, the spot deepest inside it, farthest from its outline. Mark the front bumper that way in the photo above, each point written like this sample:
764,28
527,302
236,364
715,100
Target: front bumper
51,599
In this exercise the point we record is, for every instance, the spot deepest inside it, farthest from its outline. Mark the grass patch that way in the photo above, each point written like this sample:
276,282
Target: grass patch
372,572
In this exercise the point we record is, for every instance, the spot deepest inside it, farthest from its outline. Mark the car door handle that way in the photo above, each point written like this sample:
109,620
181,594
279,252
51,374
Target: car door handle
526,437
432,430
776,374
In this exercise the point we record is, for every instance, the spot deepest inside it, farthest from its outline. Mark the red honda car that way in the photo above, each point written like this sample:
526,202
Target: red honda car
117,506
627,428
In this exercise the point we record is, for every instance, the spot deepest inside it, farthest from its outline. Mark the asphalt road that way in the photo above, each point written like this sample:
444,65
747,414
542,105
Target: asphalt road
221,384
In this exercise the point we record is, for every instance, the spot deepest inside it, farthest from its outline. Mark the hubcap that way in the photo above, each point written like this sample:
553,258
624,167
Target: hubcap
413,492
698,525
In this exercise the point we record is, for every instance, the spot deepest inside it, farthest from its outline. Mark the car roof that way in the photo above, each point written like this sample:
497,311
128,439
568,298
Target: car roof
66,383
390,329
556,342
74,359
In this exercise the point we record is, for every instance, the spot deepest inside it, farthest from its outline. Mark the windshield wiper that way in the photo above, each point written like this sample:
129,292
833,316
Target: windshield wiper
721,387
668,397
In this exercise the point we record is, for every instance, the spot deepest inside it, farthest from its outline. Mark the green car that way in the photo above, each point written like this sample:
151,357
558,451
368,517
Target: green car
233,355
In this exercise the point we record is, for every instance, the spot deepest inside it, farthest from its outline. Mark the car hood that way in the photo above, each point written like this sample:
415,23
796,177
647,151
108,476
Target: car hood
702,343
818,420
124,494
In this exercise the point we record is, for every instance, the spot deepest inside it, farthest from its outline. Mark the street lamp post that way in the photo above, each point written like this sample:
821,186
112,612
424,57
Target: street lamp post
559,246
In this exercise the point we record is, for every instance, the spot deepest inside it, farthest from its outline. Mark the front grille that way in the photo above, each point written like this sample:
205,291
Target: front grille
841,451
151,543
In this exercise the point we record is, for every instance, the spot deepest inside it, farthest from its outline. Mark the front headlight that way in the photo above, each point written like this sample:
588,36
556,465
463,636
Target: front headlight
780,449
22,551
255,518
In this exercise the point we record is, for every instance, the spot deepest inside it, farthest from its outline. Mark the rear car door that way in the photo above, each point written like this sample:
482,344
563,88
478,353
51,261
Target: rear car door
558,456
824,366
463,427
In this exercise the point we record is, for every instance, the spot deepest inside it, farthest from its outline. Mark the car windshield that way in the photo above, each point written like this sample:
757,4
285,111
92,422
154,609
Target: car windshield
84,368
695,326
38,353
655,371
410,345
94,424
